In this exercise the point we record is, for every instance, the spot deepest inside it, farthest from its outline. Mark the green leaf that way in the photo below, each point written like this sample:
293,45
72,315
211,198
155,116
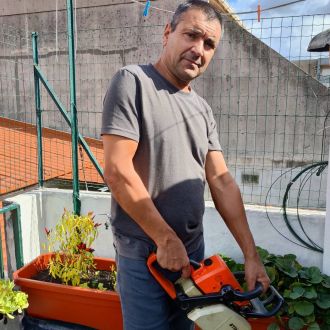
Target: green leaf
290,308
262,253
296,292
312,274
296,323
84,285
290,257
309,319
271,272
286,293
11,301
303,273
323,301
101,287
273,326
316,276
303,308
313,326
326,282
287,267
310,293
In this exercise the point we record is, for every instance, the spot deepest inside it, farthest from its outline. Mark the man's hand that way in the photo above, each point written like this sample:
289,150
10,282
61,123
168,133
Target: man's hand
255,272
172,255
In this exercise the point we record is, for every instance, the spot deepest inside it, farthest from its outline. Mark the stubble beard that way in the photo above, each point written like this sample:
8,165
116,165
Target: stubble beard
186,75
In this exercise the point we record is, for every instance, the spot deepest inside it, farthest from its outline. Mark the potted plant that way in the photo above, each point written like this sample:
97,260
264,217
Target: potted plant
306,292
69,284
12,302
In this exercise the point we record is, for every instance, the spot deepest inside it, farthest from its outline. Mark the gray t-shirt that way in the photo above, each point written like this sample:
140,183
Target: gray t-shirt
174,131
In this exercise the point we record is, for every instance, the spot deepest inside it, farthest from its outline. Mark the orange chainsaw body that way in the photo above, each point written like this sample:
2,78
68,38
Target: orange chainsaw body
213,275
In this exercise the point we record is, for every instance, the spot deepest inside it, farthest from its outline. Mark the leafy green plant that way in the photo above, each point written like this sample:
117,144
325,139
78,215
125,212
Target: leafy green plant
11,301
73,260
306,291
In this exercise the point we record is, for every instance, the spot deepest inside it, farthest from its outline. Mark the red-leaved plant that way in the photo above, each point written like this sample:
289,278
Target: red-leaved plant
71,242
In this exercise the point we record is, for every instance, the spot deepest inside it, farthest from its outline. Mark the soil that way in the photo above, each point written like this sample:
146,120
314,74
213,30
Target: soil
102,276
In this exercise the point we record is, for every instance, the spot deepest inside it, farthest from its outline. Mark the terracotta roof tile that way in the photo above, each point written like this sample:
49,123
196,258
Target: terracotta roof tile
18,156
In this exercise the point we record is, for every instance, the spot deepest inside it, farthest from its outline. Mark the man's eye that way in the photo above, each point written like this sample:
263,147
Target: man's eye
191,35
209,44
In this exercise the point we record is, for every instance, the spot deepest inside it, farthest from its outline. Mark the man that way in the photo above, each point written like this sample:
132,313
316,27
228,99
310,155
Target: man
160,144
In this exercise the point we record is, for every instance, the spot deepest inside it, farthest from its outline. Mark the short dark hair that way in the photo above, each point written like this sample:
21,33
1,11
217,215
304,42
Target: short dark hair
210,12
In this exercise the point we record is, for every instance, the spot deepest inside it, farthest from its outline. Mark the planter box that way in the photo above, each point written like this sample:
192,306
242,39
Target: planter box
89,307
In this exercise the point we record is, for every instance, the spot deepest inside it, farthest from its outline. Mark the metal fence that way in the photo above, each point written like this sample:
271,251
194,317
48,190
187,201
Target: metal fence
16,111
268,95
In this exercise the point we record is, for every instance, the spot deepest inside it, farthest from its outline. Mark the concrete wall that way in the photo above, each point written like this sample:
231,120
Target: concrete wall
43,208
270,113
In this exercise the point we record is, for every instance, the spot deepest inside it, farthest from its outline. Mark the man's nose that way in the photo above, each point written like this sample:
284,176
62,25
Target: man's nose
198,48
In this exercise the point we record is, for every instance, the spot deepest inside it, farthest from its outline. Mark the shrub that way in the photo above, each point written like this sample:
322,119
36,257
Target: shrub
11,301
73,261
306,291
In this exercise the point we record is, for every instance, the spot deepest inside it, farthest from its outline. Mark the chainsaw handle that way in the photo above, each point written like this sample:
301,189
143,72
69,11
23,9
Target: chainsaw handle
194,264
248,295
166,284
259,306
239,295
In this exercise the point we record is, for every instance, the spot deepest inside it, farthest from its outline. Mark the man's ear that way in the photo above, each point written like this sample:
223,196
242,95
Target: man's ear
166,34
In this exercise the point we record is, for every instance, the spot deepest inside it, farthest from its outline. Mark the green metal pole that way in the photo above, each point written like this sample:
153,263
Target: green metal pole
2,268
17,234
64,113
73,109
37,97
18,238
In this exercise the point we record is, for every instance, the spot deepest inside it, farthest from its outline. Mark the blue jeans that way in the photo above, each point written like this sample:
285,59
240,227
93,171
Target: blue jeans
145,305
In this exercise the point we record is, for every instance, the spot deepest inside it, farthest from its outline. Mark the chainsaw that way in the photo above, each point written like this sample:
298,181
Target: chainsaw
213,298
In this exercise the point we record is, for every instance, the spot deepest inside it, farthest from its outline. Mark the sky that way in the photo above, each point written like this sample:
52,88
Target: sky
306,7
290,35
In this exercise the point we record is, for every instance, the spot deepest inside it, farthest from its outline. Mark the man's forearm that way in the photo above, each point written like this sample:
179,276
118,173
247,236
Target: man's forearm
228,202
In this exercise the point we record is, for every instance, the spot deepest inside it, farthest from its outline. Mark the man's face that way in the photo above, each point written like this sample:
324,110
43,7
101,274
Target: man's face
189,49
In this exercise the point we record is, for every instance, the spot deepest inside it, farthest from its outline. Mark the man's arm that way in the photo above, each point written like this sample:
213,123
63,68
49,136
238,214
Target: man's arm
129,191
227,199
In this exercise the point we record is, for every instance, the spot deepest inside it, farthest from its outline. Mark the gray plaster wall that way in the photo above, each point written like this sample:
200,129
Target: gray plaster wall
270,113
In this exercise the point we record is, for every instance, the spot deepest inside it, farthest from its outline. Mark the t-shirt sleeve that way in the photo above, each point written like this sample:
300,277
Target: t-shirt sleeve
120,107
213,137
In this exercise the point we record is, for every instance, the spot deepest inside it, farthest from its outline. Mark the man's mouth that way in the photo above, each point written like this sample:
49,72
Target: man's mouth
198,64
